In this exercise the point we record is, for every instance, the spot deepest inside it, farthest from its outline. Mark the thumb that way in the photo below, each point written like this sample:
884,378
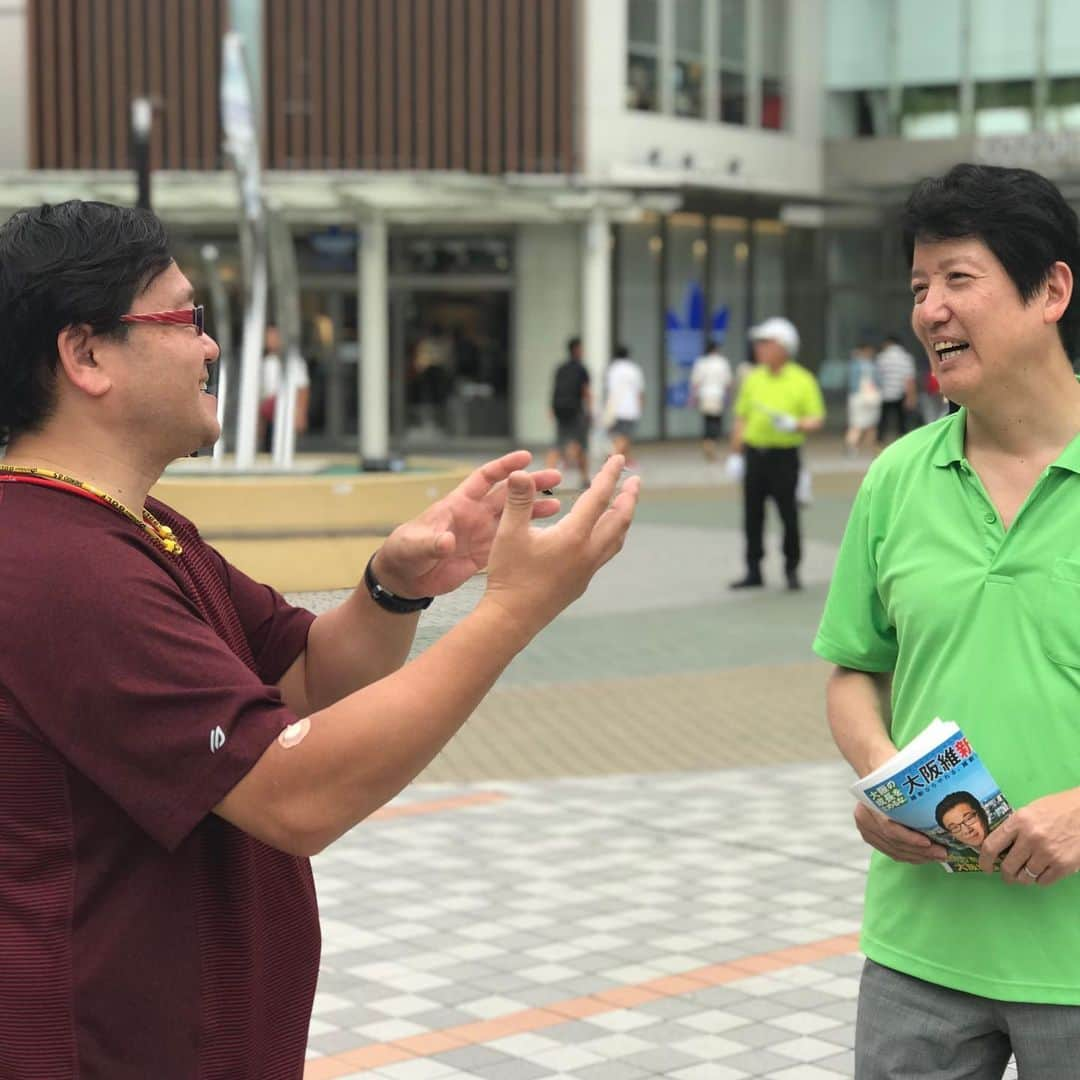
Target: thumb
518,507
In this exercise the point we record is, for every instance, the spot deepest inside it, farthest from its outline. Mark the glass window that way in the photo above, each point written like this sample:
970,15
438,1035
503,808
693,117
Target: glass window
1061,30
642,63
689,27
1063,105
857,44
930,112
929,42
638,255
768,269
1003,40
731,50
728,253
773,63
642,22
853,255
642,89
689,73
854,114
1004,108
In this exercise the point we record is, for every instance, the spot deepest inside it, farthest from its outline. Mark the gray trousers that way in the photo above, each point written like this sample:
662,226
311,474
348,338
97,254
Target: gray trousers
907,1028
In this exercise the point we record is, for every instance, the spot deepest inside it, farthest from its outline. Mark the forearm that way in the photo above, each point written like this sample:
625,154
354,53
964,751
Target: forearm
352,646
810,424
364,749
857,704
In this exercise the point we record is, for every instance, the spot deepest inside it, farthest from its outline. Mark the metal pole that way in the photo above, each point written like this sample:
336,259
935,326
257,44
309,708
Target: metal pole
142,120
374,359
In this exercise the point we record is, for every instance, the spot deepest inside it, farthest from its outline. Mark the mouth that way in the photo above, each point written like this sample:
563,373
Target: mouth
204,384
950,348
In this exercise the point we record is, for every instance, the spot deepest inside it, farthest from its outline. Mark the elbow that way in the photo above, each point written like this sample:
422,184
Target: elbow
311,825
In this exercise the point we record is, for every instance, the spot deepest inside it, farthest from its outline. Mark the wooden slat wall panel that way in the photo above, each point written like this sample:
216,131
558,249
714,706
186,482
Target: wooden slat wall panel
92,57
423,84
486,86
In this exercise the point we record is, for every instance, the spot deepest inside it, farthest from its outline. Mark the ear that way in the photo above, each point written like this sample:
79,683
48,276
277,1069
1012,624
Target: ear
74,346
1059,287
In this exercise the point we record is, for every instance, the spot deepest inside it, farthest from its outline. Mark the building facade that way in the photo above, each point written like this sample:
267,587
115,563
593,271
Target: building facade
992,81
644,172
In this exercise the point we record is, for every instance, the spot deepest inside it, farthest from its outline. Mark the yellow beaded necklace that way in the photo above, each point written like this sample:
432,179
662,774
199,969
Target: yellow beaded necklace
162,534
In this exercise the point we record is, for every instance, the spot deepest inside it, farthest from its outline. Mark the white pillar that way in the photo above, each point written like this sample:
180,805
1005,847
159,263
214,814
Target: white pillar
374,345
596,315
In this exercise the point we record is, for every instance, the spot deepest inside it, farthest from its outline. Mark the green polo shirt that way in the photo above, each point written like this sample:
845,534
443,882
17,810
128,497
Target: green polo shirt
982,627
792,390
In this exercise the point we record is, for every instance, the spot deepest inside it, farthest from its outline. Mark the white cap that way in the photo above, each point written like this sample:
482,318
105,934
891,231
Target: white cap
777,329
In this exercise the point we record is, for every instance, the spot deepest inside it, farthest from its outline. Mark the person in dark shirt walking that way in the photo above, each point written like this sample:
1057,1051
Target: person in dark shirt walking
571,406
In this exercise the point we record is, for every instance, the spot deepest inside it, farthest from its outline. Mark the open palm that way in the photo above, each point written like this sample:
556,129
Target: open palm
443,547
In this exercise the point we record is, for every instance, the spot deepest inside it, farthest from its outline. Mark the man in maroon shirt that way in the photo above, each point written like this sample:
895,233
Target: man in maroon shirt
175,739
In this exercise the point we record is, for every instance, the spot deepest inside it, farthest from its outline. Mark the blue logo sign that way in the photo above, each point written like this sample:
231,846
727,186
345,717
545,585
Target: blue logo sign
684,339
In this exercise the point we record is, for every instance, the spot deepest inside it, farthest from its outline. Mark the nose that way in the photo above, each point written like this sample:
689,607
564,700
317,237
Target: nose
932,311
212,351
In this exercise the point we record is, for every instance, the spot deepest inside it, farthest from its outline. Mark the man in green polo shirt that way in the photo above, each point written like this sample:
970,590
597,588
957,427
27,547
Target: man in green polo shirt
957,594
778,403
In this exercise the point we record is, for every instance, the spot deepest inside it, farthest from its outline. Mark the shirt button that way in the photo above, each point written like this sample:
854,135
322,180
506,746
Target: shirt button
991,518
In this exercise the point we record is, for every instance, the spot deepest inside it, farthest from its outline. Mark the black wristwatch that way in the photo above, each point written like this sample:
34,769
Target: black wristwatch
388,601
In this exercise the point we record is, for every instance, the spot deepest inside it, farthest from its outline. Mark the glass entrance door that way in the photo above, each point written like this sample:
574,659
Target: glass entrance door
450,372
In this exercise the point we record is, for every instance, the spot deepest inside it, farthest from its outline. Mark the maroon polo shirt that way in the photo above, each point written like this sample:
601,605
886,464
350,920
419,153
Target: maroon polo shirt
140,934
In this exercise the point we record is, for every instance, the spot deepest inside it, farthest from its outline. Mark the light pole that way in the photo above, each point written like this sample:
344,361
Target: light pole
142,120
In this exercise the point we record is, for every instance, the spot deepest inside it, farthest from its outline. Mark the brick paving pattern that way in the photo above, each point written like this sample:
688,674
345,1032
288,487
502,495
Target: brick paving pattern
637,859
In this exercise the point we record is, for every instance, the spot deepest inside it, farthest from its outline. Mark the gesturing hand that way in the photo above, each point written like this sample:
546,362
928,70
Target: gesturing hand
534,573
1044,838
451,540
896,840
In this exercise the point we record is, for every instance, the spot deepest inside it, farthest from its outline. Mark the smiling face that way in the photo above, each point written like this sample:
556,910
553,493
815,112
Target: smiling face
982,339
159,374
965,825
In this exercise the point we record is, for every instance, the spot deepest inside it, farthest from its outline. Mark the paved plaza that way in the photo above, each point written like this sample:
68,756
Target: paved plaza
637,859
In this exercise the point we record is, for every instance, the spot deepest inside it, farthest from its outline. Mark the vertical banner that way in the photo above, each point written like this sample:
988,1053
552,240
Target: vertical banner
287,308
241,126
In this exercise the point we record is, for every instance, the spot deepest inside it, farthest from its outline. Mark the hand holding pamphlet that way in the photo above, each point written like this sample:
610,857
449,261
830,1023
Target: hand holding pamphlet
937,785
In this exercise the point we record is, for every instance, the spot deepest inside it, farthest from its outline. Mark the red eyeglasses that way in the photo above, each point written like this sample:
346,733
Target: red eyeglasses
193,316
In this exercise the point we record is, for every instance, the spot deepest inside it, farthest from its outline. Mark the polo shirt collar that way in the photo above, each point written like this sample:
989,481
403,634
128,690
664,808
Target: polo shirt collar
949,449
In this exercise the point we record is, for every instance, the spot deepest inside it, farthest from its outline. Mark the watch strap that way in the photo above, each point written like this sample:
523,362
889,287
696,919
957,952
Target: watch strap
388,601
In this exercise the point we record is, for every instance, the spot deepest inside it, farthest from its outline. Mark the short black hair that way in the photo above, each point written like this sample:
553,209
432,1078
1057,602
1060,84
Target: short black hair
64,265
1019,215
622,353
572,344
961,798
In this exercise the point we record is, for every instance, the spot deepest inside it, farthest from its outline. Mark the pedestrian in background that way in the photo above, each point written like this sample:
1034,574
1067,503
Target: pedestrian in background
271,383
778,404
899,392
571,406
864,400
624,400
710,383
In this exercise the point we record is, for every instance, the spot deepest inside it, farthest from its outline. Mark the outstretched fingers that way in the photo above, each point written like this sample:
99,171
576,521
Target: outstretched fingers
479,482
611,528
594,501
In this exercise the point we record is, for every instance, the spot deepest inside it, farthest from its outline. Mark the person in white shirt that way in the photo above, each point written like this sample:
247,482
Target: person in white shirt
271,379
624,398
710,382
896,380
